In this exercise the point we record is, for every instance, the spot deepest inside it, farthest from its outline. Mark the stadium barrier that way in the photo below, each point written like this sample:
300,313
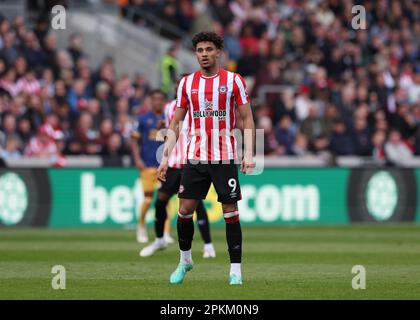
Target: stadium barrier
110,197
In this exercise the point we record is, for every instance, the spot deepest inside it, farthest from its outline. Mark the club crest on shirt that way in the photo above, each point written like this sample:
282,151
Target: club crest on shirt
222,89
194,91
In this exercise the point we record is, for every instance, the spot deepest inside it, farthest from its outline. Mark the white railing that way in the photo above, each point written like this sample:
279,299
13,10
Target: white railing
269,162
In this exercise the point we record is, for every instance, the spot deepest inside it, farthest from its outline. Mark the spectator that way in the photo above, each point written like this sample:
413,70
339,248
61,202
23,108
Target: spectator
29,84
8,128
84,132
11,150
169,71
300,146
396,151
103,96
185,14
248,41
168,14
34,112
31,50
75,47
24,130
271,146
49,52
404,121
378,143
285,134
341,143
221,12
94,108
361,136
246,63
303,103
8,82
314,125
42,145
320,147
77,98
111,154
232,44
414,89
284,105
9,52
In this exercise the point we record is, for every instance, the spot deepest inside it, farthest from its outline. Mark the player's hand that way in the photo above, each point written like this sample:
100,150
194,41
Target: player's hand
161,172
247,165
140,164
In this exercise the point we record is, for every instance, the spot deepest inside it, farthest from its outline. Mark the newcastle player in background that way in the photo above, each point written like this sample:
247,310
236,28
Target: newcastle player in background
170,187
144,147
211,97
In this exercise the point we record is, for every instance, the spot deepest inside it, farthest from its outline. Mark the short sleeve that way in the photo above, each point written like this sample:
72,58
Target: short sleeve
181,96
239,91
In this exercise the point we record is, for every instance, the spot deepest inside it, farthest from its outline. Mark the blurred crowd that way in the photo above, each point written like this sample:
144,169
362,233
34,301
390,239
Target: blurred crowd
339,91
53,104
344,91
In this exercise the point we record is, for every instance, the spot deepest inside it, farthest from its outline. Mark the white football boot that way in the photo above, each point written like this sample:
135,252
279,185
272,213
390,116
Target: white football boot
208,251
158,244
168,239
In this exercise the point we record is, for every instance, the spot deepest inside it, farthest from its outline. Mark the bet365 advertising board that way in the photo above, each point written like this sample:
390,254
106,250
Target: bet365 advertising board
111,197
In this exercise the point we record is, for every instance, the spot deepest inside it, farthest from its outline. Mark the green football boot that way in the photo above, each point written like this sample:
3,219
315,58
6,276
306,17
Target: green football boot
235,280
179,274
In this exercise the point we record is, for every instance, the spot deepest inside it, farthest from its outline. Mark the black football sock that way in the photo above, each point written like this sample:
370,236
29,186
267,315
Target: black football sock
234,241
203,222
160,217
185,227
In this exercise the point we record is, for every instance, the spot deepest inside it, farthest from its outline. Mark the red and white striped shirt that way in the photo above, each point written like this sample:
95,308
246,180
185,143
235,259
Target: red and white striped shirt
36,148
178,155
29,87
211,102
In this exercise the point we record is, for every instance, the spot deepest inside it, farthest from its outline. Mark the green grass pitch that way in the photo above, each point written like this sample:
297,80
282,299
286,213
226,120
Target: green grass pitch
279,262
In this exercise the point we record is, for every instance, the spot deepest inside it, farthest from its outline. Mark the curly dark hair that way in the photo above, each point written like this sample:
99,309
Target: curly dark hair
208,36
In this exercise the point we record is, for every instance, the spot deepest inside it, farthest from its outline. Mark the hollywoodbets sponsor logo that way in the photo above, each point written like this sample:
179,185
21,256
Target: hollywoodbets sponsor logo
209,112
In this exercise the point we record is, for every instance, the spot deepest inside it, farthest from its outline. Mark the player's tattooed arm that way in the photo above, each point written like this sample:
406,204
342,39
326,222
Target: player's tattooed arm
248,162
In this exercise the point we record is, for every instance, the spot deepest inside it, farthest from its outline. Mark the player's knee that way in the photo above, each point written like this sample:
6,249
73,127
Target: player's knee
163,196
186,207
231,216
185,211
147,200
148,194
229,207
183,217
